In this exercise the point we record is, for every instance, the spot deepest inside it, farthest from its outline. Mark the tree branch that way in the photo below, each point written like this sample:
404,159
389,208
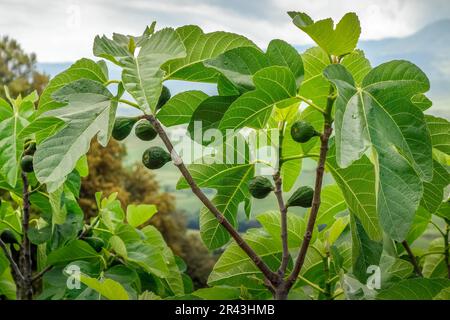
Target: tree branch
13,264
262,266
25,252
317,191
412,257
39,275
283,210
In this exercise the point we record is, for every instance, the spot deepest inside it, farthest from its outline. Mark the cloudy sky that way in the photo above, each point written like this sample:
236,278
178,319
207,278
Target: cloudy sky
63,30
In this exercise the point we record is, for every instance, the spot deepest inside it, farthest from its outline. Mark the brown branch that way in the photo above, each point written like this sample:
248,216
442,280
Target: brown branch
283,210
413,259
315,204
26,292
14,267
39,275
269,274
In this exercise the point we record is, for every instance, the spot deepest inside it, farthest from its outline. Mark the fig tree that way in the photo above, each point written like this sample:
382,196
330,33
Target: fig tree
155,157
260,187
302,131
27,163
164,97
123,127
302,197
145,131
8,237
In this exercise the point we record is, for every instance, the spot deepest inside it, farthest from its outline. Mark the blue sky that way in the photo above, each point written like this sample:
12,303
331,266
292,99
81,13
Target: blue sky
63,30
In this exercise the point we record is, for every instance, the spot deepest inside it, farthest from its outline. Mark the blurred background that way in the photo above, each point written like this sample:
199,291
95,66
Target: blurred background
39,39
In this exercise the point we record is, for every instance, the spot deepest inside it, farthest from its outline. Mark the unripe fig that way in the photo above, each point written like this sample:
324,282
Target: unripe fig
8,237
95,243
27,163
302,131
145,131
123,127
31,149
155,157
302,197
260,187
164,97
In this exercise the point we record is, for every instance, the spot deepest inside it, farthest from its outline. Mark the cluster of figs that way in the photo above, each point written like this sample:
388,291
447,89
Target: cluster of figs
154,157
260,186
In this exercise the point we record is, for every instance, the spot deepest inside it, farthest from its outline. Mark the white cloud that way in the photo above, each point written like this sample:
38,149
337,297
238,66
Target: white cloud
64,30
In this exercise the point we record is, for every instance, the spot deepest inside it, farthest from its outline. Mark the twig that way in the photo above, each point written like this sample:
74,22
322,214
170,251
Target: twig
412,257
262,266
12,263
316,199
25,251
283,210
39,275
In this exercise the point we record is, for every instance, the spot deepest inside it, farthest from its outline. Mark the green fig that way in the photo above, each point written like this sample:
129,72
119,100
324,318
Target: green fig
260,187
31,149
27,163
145,131
302,197
7,236
155,157
95,243
164,97
302,131
123,127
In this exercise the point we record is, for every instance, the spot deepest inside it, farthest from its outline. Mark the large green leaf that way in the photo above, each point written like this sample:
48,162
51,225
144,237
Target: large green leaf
357,183
81,69
414,289
234,263
274,86
433,191
142,76
380,114
11,146
440,133
138,214
200,47
180,108
365,251
314,86
239,65
90,111
296,227
208,114
434,265
231,183
419,225
108,288
337,42
75,250
332,202
174,277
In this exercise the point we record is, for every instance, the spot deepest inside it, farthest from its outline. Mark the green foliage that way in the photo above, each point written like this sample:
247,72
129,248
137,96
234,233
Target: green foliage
388,159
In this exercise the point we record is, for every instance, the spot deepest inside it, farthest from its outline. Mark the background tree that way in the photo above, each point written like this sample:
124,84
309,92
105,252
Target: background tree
18,69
